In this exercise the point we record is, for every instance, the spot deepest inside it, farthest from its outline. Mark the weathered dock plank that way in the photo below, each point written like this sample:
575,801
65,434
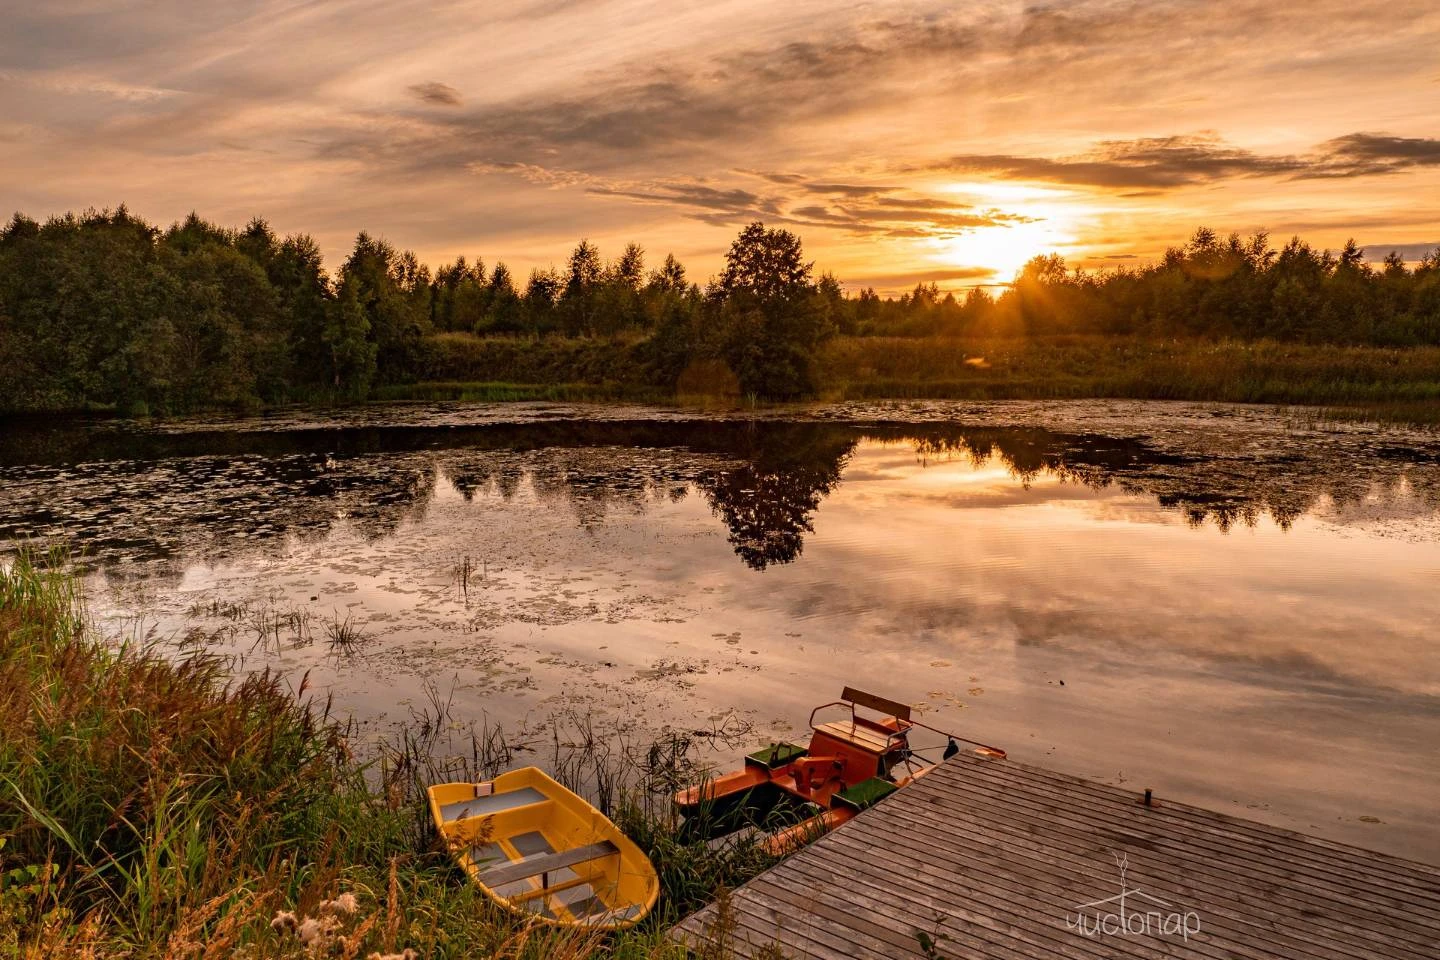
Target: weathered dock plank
997,859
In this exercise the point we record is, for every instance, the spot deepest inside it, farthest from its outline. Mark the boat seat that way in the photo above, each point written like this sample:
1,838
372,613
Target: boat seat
865,794
483,806
504,873
858,735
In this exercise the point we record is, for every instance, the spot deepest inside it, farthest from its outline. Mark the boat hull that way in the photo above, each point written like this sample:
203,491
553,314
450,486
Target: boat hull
538,849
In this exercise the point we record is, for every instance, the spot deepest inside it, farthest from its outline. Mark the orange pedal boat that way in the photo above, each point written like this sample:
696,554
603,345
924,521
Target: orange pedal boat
851,763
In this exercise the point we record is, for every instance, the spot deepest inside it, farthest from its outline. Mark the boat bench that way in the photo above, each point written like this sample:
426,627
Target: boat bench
872,739
490,804
498,876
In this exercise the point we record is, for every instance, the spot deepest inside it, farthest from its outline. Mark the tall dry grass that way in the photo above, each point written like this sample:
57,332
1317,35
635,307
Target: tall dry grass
1402,383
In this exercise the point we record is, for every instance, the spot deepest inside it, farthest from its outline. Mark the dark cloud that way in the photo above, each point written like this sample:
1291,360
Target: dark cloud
1378,146
1154,164
1409,252
860,210
663,113
772,177
875,193
915,203
718,205
933,218
896,281
1370,154
436,93
701,201
820,213
865,221
847,189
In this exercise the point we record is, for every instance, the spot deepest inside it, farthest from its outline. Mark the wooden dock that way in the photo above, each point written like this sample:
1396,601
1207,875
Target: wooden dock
997,859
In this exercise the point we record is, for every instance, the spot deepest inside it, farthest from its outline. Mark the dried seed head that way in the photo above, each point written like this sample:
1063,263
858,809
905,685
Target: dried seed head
344,905
309,931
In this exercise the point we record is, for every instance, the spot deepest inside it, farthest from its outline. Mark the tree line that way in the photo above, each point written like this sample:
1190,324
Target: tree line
1208,287
103,309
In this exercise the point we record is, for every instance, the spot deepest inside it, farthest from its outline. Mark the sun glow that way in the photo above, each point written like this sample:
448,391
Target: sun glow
1006,248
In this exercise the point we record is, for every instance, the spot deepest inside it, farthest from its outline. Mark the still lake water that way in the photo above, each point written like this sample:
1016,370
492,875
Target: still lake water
1235,609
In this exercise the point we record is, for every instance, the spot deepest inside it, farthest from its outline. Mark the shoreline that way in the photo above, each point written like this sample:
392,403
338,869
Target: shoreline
1368,384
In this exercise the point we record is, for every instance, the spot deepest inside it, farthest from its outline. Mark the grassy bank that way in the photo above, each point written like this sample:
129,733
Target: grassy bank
159,808
1400,385
506,392
1074,367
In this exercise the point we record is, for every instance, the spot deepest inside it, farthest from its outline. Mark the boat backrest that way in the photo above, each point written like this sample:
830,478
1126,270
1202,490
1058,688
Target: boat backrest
891,708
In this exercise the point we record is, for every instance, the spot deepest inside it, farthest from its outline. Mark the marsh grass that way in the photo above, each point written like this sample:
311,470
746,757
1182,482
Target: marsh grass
505,392
161,807
1378,384
271,623
1384,381
344,634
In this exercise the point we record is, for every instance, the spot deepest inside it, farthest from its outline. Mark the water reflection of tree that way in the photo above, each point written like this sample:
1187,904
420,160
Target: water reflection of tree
767,502
1225,488
210,496
591,483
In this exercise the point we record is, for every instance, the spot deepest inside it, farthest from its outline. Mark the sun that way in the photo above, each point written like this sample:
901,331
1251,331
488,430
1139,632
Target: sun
1044,223
1005,249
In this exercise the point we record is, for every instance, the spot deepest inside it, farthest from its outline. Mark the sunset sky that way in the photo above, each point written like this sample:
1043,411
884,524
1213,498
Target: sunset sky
904,141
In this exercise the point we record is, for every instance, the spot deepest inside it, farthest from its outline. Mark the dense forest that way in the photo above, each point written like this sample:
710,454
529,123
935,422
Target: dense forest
105,310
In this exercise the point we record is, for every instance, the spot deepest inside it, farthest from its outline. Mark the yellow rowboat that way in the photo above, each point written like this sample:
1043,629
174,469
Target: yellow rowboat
533,846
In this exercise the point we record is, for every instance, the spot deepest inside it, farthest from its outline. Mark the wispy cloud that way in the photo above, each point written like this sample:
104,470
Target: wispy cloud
82,83
857,209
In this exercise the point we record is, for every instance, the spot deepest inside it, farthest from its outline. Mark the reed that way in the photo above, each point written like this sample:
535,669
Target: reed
344,634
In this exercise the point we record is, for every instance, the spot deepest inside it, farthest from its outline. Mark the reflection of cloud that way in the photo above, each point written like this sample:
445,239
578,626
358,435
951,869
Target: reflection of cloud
1057,567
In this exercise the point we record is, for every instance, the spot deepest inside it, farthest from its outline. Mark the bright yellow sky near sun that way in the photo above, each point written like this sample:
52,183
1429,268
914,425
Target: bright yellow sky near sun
906,142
